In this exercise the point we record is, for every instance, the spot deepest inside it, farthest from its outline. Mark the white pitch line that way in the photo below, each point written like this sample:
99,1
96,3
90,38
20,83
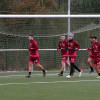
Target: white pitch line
32,75
12,75
50,82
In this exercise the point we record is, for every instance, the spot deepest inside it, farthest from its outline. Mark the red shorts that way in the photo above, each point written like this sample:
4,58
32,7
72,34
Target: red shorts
91,57
34,60
72,58
96,62
64,59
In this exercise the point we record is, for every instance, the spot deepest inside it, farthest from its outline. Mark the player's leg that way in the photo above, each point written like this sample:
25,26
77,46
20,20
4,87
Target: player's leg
89,62
74,66
90,65
41,67
97,70
62,68
31,61
67,64
79,70
71,69
96,63
37,63
64,59
30,70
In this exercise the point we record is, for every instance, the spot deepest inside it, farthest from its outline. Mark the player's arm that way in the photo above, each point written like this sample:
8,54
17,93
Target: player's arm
34,47
59,47
92,51
66,45
77,46
29,49
88,48
99,50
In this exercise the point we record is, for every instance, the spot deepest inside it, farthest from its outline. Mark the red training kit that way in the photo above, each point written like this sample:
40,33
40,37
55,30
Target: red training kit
72,47
62,46
33,48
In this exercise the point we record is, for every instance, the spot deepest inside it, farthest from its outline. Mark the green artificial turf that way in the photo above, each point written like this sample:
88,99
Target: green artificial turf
14,86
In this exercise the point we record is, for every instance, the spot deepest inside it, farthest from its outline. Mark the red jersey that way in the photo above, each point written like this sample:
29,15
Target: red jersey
91,46
95,49
72,47
62,47
92,43
33,48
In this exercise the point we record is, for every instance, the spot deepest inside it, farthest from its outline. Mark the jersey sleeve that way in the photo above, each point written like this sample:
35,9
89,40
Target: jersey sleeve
88,48
99,50
77,46
66,45
35,47
92,53
59,47
29,49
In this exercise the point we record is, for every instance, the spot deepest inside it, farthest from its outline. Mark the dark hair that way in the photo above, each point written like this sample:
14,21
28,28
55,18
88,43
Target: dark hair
91,37
94,37
31,35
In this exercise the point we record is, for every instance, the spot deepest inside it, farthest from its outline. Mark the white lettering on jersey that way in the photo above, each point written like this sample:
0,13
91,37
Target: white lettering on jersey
71,43
98,63
63,58
35,61
72,59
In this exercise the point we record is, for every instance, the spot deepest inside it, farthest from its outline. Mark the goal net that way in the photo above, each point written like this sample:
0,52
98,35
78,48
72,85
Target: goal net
46,31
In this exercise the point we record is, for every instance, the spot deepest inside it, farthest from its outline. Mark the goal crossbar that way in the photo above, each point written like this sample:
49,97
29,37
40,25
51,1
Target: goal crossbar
48,16
6,50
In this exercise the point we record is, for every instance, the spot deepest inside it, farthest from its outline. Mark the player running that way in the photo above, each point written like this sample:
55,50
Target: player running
90,57
34,56
72,47
62,47
95,51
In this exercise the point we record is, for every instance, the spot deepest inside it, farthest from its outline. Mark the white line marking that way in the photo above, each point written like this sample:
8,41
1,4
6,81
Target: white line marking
26,74
50,82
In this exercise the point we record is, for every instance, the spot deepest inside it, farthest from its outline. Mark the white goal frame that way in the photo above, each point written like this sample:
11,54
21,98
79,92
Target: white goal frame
44,16
49,16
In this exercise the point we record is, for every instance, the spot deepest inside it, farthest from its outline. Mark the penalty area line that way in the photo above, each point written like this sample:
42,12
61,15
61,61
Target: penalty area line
50,82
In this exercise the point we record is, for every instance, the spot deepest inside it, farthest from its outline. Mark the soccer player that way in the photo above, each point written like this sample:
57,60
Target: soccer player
62,47
34,56
72,47
90,57
95,51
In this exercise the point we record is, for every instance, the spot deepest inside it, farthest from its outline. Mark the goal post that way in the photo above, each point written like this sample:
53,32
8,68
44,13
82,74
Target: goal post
6,50
46,29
